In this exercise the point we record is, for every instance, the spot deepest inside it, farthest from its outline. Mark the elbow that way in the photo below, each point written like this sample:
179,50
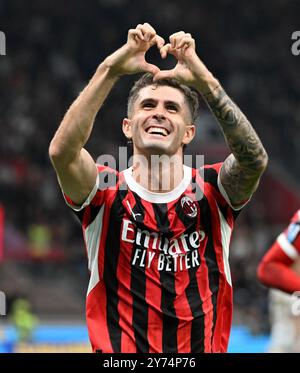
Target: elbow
262,273
264,160
260,164
55,152
61,156
57,155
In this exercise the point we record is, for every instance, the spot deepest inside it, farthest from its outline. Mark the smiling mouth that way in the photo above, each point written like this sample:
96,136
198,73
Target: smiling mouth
160,131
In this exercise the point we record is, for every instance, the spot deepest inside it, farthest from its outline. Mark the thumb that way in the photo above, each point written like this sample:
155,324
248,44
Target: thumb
163,74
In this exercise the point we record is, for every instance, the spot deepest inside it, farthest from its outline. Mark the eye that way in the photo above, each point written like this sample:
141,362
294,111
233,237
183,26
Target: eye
172,108
148,105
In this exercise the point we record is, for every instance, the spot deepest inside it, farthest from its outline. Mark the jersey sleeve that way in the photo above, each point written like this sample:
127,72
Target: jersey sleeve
289,239
275,270
106,177
225,195
212,177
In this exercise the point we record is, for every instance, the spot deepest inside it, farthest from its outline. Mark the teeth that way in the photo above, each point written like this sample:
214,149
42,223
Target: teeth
158,130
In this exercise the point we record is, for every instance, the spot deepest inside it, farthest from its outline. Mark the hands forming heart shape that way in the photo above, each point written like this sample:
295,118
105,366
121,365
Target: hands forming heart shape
130,58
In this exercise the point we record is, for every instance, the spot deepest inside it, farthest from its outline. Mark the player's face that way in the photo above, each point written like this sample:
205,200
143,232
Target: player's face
160,122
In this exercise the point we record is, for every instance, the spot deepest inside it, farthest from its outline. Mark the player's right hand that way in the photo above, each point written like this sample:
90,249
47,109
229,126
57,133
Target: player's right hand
130,58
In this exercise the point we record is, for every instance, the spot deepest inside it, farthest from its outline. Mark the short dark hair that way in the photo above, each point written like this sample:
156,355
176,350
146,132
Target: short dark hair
191,96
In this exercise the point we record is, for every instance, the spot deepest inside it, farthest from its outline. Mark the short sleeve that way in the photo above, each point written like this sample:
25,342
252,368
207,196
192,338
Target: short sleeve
106,179
289,239
89,199
212,177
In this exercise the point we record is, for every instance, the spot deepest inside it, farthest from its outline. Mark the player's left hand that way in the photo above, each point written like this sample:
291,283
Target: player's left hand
182,47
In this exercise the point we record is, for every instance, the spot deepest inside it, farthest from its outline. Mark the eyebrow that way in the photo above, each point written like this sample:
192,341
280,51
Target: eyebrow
152,100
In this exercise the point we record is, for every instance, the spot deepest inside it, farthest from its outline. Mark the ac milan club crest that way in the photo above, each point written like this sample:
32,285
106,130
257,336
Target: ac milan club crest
189,207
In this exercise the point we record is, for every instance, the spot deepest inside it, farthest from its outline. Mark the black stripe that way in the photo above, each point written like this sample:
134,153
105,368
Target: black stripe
211,177
93,213
210,255
195,302
112,251
168,292
193,295
138,290
79,214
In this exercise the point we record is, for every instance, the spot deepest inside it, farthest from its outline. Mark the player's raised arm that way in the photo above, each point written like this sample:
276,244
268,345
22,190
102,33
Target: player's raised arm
242,169
75,168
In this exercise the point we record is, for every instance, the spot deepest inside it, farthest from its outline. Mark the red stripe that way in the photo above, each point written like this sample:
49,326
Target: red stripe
96,299
207,306
183,312
96,319
224,300
203,283
153,299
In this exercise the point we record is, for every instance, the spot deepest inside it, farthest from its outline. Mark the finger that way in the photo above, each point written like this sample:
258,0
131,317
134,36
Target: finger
159,41
174,38
186,41
139,27
163,74
147,30
135,34
165,50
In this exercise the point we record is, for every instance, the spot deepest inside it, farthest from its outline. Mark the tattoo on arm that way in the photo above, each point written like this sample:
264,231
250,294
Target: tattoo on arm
242,169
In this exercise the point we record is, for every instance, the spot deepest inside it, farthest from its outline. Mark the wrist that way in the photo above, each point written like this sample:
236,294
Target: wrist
108,69
207,84
204,82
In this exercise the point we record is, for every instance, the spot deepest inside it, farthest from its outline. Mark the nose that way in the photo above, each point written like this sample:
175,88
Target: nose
159,117
159,112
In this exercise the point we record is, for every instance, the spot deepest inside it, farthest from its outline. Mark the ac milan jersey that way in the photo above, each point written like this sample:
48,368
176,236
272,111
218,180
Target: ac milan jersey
279,268
289,240
160,278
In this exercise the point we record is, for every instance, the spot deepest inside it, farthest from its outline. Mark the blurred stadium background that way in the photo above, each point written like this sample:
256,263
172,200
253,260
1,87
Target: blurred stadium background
53,48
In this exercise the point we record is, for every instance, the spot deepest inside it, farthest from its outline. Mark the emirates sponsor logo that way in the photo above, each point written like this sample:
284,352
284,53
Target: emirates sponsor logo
168,254
189,207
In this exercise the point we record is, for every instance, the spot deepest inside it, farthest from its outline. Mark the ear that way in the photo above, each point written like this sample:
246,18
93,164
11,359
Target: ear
126,127
189,134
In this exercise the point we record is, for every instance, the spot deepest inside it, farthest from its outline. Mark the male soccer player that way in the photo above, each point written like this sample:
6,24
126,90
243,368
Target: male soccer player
158,254
279,269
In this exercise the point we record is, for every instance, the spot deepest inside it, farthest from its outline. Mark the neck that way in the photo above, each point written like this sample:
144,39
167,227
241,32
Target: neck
159,174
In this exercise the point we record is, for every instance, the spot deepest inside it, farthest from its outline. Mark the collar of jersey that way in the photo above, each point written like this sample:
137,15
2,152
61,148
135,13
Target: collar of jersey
153,197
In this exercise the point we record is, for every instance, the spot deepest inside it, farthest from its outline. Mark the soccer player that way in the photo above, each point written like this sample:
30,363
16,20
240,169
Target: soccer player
157,252
279,269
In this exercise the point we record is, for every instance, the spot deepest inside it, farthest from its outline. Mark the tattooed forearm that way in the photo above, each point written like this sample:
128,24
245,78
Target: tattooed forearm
239,134
243,168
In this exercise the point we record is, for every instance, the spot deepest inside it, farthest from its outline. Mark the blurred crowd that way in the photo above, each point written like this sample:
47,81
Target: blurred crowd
54,47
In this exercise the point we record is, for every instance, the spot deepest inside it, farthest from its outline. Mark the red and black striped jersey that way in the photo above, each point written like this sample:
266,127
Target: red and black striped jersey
159,272
279,267
289,239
